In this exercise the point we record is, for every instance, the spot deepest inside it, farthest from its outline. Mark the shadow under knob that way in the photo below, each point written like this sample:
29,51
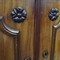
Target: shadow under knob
18,14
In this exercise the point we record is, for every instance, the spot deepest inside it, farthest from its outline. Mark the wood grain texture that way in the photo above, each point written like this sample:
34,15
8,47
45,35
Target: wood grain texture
26,29
35,31
46,28
13,33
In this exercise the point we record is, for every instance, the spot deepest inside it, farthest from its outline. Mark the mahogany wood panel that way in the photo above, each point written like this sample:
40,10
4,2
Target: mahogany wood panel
35,32
26,29
46,29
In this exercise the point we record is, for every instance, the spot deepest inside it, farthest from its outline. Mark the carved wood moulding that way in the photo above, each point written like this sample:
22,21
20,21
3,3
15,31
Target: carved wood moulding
13,33
54,31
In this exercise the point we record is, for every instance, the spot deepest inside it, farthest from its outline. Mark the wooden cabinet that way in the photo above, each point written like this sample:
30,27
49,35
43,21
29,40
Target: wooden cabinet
35,38
20,42
49,34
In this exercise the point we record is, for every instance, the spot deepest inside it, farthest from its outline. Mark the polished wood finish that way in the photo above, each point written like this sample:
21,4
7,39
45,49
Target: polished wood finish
36,32
54,31
46,30
26,28
11,32
53,43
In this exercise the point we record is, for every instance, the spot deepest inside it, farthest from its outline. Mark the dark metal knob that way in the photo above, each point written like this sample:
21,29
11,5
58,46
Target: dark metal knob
53,14
18,14
45,54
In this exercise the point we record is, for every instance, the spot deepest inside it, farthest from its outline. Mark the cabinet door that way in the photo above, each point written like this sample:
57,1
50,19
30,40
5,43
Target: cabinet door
16,38
49,30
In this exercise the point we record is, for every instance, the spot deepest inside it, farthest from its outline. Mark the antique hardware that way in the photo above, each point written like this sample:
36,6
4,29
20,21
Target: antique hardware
53,14
45,54
18,14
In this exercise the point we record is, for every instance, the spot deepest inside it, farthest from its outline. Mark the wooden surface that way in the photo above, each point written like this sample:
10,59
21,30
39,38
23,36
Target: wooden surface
35,31
26,30
46,29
